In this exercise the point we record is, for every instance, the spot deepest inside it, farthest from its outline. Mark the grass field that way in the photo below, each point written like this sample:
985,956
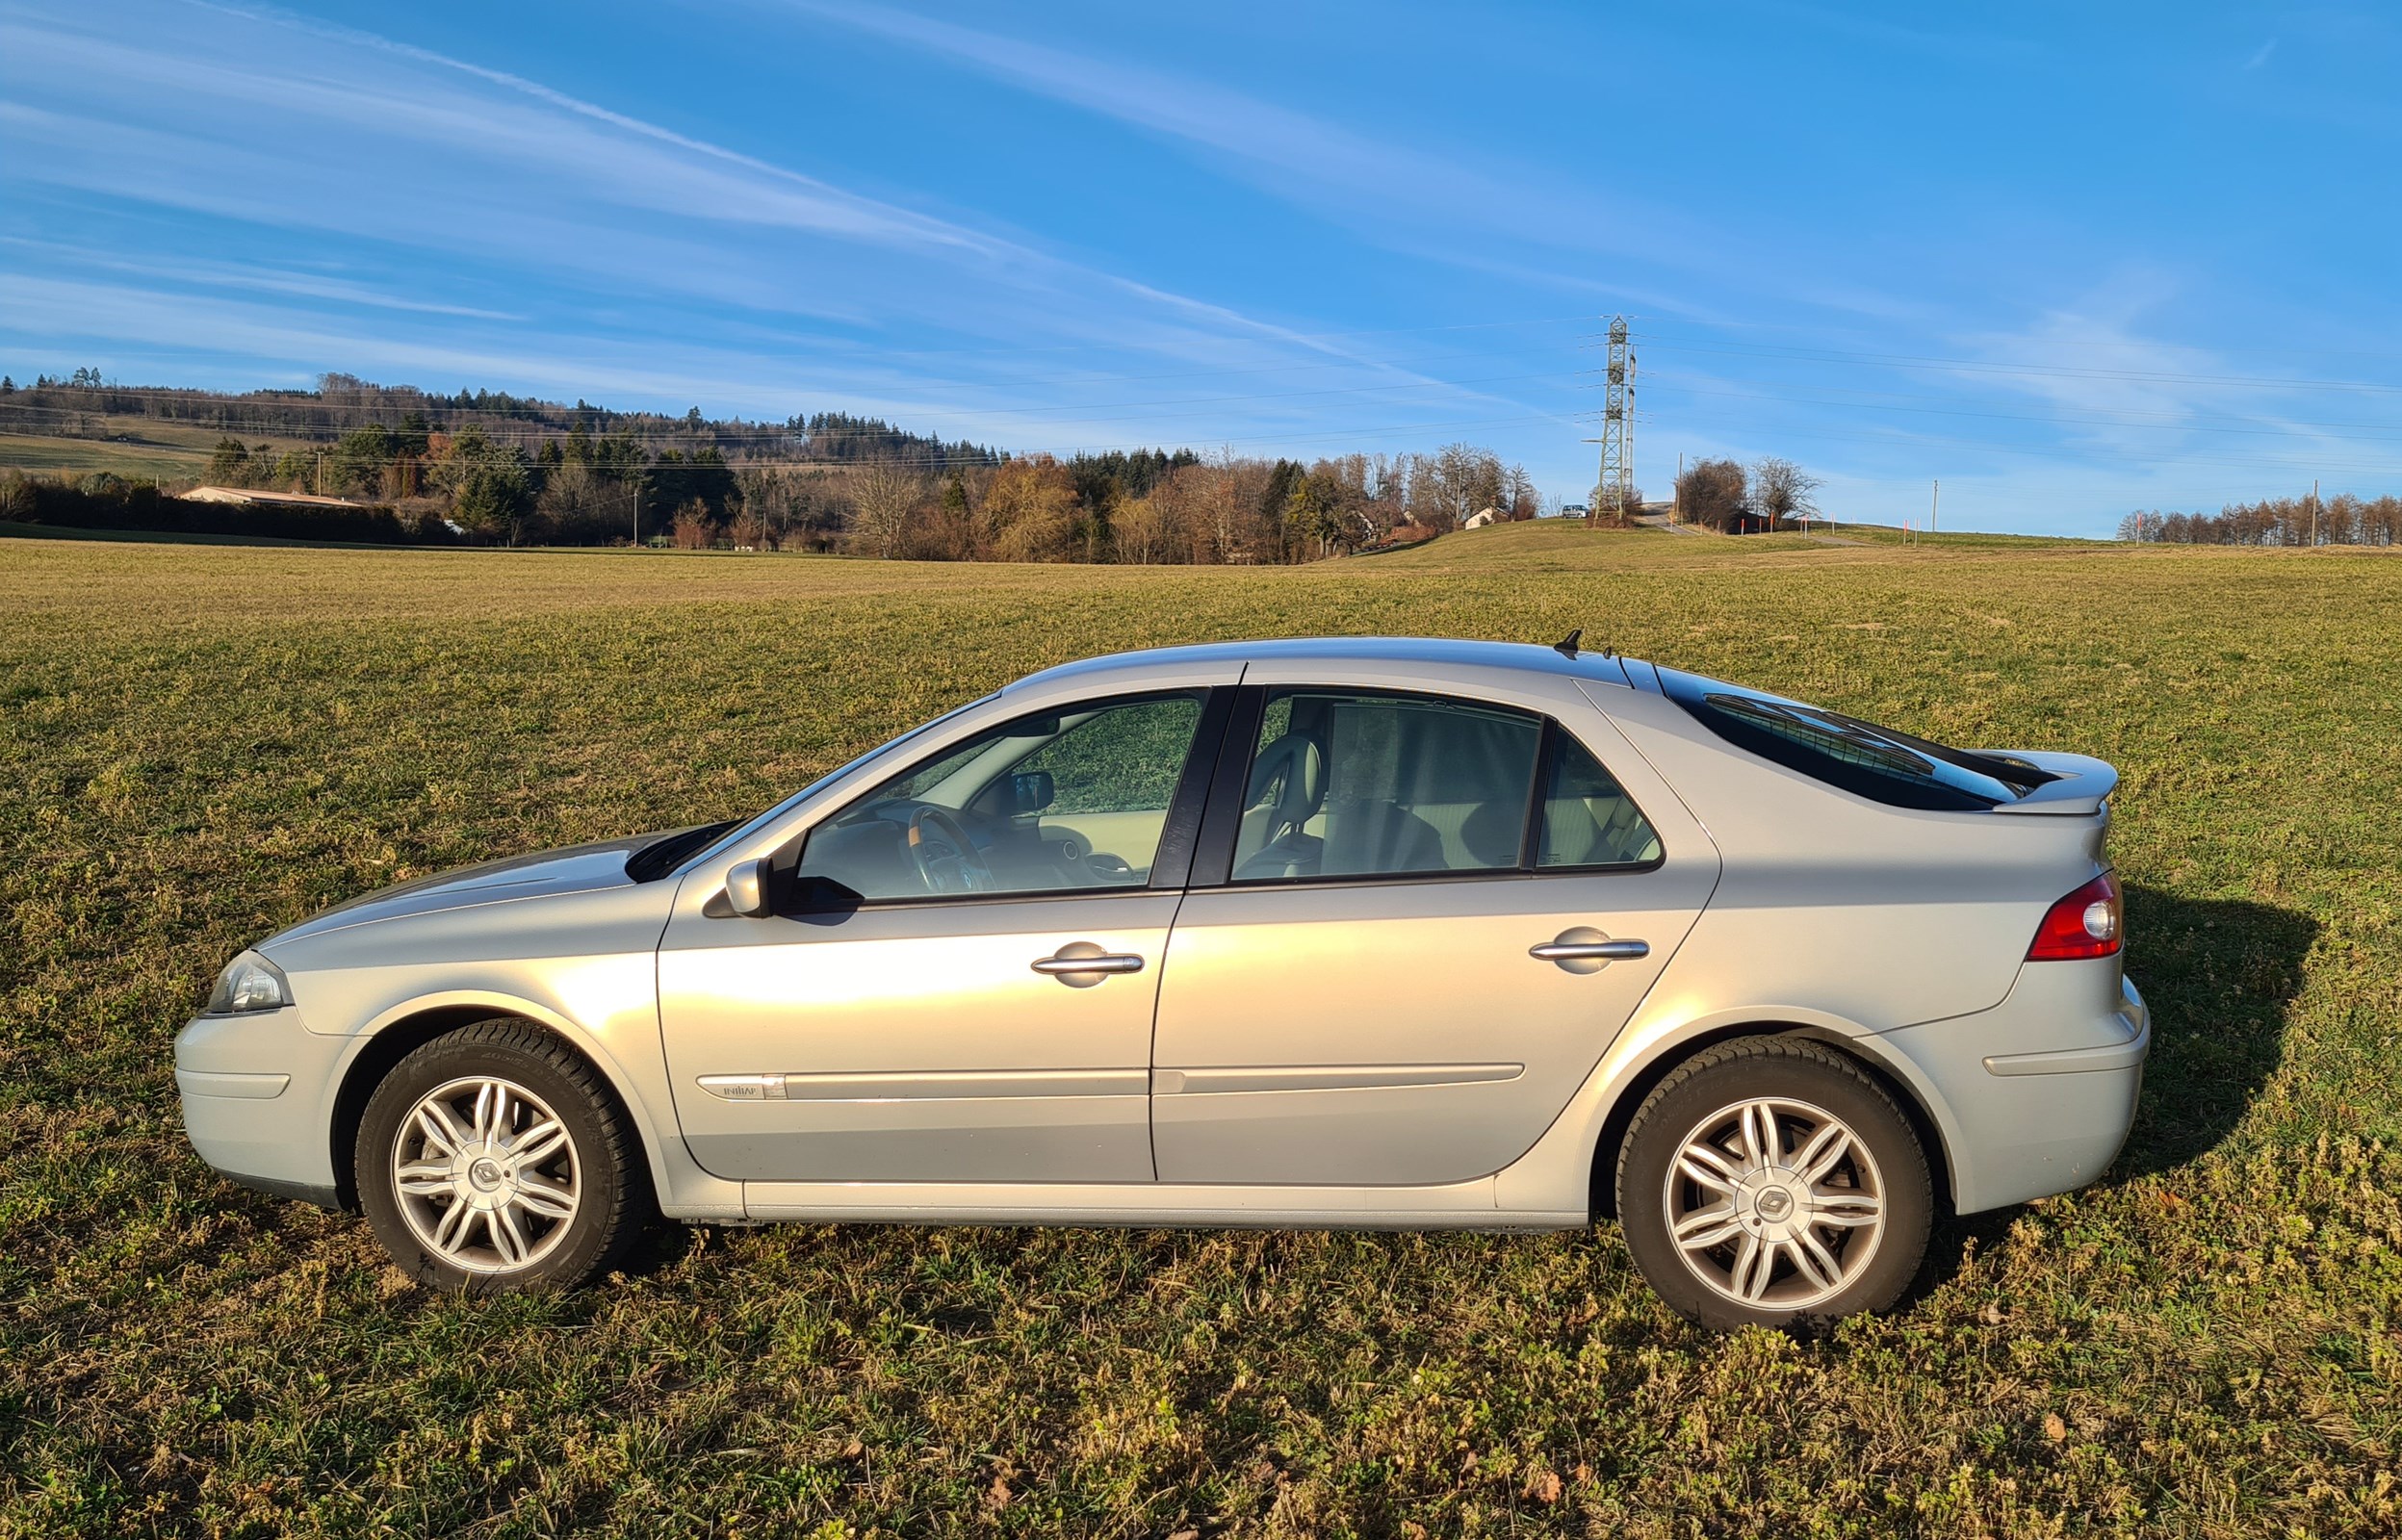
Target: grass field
136,448
154,462
203,744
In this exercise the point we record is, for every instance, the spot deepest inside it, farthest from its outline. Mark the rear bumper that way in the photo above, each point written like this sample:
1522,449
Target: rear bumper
2023,1122
255,1093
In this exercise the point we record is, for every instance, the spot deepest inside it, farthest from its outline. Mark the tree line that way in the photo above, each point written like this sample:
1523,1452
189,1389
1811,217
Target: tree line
487,468
79,405
1156,507
2342,520
1730,497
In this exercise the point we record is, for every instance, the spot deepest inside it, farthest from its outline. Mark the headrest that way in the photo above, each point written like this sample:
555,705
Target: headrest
1300,765
1490,834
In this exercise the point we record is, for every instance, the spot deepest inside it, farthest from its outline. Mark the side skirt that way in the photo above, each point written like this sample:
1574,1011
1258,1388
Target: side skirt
1144,1205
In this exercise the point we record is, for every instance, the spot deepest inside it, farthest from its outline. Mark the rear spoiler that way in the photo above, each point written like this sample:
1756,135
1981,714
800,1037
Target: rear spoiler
2078,787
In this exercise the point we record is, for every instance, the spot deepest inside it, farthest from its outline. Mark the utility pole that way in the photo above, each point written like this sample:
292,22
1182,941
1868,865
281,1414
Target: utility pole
1677,491
1616,486
1935,507
637,513
2313,513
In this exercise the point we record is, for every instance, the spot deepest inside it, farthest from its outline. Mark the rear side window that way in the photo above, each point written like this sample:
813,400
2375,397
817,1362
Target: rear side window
1371,784
1368,784
1588,820
1878,763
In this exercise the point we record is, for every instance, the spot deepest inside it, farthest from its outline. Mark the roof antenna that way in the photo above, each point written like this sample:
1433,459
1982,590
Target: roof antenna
1566,645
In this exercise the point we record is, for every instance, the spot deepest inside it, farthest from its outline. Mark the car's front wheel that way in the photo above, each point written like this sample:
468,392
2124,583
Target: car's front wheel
494,1158
1772,1179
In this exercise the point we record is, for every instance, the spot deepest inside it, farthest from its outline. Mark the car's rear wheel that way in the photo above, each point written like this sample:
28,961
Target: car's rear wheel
494,1158
1771,1180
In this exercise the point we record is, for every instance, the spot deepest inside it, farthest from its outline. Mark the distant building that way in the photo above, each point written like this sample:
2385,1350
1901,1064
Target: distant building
275,500
1481,517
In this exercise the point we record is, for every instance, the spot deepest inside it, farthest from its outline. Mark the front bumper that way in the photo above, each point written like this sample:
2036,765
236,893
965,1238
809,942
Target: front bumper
257,1092
2037,1094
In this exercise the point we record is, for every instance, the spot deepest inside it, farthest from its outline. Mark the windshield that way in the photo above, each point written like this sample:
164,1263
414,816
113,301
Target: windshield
1879,763
734,834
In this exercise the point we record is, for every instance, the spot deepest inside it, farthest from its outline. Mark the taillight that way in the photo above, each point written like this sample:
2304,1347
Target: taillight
2087,923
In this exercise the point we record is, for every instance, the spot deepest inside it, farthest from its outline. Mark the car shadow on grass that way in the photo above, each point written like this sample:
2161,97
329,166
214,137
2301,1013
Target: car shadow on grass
2219,976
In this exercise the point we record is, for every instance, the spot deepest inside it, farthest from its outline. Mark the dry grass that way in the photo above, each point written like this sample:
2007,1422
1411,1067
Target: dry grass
131,446
203,744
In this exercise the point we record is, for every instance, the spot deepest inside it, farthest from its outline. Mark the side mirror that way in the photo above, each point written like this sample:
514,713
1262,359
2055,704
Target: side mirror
1030,792
746,890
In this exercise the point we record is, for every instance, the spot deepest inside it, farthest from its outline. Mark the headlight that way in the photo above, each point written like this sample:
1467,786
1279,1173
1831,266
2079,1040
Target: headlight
249,982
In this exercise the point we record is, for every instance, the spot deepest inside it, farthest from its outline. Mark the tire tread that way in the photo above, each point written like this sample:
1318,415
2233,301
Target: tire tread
618,1146
1796,1051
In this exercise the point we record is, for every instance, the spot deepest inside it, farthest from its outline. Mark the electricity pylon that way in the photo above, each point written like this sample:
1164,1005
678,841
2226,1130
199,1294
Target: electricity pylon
1614,491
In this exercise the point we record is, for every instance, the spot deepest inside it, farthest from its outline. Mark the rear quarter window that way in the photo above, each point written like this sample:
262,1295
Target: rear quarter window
1879,763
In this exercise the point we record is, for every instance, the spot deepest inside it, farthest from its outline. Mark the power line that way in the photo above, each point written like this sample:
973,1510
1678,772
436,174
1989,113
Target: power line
2188,425
2057,371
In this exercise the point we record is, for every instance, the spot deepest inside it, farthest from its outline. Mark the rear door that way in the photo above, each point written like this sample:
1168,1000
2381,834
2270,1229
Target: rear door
1416,923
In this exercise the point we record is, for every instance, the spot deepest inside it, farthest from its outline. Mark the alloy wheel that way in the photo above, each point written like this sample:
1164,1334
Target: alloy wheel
1774,1203
486,1175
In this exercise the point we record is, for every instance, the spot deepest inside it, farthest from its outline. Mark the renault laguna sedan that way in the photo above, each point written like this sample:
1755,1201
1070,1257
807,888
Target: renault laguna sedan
1353,932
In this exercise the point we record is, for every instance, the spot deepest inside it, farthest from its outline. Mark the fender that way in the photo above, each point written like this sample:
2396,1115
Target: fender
684,1191
1558,1173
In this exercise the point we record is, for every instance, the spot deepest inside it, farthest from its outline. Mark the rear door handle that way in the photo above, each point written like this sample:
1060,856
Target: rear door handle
1578,951
1071,960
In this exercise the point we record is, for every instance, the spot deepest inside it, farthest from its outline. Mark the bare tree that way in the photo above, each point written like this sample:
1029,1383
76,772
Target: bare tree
1031,510
1520,499
884,498
1142,529
574,502
1782,490
1458,482
1224,492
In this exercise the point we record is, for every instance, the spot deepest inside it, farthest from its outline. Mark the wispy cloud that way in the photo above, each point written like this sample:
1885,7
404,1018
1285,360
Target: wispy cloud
1374,180
2260,55
1246,127
264,117
255,278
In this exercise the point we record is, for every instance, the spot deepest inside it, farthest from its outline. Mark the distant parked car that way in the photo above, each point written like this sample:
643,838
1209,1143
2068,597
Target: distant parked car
1358,932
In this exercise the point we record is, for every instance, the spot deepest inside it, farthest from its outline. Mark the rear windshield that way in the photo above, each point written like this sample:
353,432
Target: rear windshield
1875,762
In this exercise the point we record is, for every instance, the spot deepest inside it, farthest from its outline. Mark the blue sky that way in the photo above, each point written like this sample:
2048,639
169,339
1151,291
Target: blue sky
2071,259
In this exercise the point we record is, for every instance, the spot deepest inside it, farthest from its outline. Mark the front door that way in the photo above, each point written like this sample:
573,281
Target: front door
960,981
1436,915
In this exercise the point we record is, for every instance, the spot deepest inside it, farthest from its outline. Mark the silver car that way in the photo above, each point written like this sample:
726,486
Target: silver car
1349,932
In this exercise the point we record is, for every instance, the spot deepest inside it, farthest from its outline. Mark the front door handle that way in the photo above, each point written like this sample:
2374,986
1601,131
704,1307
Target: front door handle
1085,961
1591,951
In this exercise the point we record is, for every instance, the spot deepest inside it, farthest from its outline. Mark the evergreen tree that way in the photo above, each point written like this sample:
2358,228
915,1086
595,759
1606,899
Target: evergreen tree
229,463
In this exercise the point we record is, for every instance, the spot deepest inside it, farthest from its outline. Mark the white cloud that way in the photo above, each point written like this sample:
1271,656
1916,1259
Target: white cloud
1404,197
257,117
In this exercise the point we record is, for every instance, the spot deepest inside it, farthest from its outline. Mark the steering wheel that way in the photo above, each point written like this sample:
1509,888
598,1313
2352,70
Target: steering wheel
946,860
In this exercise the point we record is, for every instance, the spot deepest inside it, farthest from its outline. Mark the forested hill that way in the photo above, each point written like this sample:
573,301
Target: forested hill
357,461
82,405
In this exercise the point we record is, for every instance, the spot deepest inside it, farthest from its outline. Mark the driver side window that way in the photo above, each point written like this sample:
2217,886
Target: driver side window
1070,801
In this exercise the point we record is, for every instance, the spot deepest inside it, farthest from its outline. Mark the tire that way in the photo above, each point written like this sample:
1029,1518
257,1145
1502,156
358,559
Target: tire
495,1160
1762,1246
